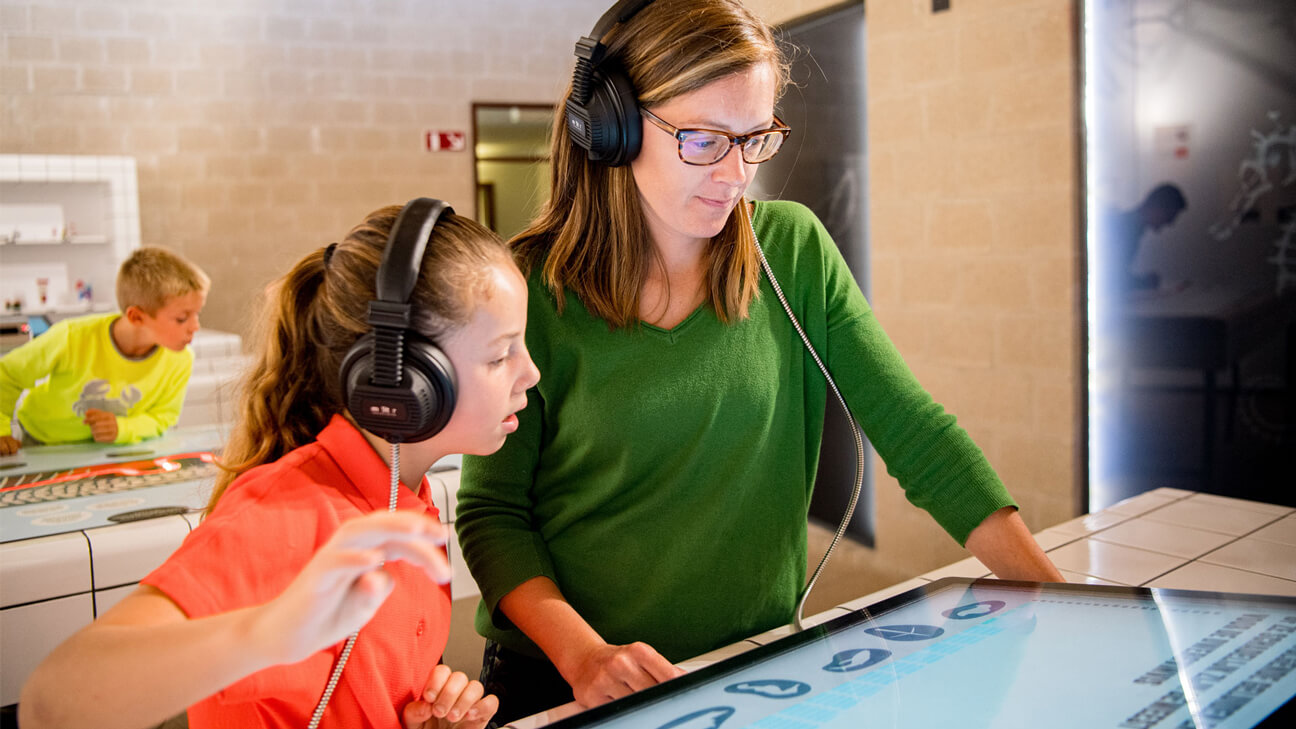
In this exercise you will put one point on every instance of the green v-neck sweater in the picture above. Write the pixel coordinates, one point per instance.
(662, 478)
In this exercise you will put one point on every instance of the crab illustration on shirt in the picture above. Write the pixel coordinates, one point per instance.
(94, 396)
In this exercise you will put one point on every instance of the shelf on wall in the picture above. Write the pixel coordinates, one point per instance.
(90, 202)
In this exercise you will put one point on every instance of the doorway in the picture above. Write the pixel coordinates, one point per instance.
(511, 163)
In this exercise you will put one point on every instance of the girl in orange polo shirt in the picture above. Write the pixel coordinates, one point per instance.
(245, 624)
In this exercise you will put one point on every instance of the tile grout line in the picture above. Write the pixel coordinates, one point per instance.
(1232, 538)
(1140, 517)
(1235, 539)
(1239, 538)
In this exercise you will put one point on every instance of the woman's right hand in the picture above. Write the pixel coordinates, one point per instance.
(343, 585)
(9, 445)
(598, 672)
(613, 671)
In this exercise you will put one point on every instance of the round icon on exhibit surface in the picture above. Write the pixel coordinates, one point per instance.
(704, 719)
(906, 633)
(975, 610)
(770, 688)
(856, 659)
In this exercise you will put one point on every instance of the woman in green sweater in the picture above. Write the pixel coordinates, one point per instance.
(652, 505)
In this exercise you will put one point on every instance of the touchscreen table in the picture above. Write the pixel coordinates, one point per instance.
(989, 653)
(55, 489)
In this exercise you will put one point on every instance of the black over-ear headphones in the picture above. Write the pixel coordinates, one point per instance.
(603, 109)
(396, 383)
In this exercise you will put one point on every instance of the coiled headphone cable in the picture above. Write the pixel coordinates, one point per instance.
(351, 639)
(855, 431)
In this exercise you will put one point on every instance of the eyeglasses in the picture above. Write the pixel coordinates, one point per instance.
(709, 146)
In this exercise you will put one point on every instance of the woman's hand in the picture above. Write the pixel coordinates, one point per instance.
(343, 585)
(9, 445)
(1004, 544)
(450, 699)
(613, 671)
(598, 672)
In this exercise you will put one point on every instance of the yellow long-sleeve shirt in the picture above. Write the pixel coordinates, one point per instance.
(76, 366)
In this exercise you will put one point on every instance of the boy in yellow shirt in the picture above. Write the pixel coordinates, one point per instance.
(113, 378)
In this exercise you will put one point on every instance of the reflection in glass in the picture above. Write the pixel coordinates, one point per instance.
(986, 653)
(1190, 135)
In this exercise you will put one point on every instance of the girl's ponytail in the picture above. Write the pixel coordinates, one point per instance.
(285, 400)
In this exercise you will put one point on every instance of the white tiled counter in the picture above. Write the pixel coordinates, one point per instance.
(1164, 538)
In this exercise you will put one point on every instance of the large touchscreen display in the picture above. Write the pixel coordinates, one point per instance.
(983, 653)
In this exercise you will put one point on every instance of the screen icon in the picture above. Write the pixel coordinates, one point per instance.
(906, 632)
(770, 688)
(974, 610)
(856, 659)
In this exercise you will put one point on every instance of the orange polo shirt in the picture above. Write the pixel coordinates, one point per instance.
(265, 528)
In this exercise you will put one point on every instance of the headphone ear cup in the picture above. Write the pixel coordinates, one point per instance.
(430, 369)
(616, 128)
(415, 411)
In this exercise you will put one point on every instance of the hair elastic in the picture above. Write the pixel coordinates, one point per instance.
(328, 253)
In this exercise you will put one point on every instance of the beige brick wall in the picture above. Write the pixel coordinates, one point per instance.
(262, 128)
(976, 250)
(780, 11)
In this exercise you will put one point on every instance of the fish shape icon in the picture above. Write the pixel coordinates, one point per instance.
(704, 719)
(856, 659)
(770, 688)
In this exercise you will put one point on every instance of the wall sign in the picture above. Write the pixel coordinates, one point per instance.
(435, 140)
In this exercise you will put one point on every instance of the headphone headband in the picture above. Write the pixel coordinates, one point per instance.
(602, 110)
(396, 383)
(619, 13)
(403, 255)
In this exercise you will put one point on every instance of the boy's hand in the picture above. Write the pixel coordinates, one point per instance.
(9, 445)
(450, 699)
(103, 425)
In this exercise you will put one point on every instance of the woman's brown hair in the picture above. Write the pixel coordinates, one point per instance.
(318, 310)
(591, 236)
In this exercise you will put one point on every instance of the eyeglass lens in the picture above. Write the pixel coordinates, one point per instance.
(706, 148)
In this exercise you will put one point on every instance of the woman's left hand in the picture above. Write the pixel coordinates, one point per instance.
(450, 699)
(1004, 544)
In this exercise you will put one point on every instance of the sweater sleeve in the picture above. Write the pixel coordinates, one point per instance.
(165, 412)
(934, 459)
(493, 517)
(21, 368)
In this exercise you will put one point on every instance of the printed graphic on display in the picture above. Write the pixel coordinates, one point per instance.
(770, 688)
(906, 632)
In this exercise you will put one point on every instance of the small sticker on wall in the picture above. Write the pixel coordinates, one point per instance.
(435, 140)
(1172, 141)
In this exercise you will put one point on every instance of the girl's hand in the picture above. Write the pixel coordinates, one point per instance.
(614, 671)
(341, 588)
(450, 699)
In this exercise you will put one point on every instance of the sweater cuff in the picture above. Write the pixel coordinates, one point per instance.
(124, 434)
(966, 507)
(527, 558)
